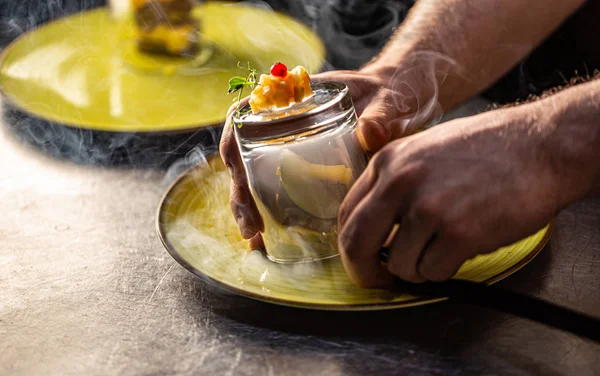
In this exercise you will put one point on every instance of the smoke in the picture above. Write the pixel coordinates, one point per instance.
(416, 88)
(109, 149)
(17, 17)
(354, 31)
(197, 157)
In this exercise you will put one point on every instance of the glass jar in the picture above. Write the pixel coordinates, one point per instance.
(300, 163)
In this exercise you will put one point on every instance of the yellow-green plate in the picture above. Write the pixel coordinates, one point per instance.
(198, 230)
(78, 70)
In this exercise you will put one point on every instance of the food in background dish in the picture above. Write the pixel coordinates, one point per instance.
(166, 27)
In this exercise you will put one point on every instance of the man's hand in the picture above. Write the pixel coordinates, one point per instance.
(241, 202)
(457, 190)
(382, 111)
(379, 120)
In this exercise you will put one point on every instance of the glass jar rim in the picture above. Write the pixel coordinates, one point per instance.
(271, 117)
(317, 115)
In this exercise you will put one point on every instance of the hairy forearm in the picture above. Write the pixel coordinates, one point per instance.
(573, 139)
(486, 38)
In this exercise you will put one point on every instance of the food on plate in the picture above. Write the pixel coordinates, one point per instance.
(166, 27)
(280, 88)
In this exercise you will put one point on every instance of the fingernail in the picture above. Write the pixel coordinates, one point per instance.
(247, 233)
(361, 139)
(256, 242)
(374, 135)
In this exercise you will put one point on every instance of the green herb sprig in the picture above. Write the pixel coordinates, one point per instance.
(238, 83)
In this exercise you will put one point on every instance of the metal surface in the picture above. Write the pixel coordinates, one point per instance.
(87, 288)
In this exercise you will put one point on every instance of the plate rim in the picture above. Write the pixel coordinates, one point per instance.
(418, 301)
(190, 128)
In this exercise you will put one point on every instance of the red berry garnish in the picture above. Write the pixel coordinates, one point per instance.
(279, 70)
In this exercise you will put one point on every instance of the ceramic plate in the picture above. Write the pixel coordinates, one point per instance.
(82, 70)
(198, 230)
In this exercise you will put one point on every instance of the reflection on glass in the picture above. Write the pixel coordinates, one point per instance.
(301, 162)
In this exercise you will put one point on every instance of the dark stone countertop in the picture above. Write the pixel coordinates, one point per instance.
(87, 288)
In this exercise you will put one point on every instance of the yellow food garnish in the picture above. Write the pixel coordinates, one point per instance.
(274, 92)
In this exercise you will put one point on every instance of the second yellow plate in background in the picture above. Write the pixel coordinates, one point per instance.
(75, 70)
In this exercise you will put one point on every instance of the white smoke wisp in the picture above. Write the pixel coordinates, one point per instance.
(196, 157)
(356, 31)
(416, 86)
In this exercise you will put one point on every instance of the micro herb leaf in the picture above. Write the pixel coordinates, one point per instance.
(237, 83)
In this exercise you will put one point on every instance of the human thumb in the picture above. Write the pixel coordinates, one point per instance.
(377, 123)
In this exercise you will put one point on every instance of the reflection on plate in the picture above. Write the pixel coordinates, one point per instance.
(196, 227)
(141, 63)
(74, 71)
